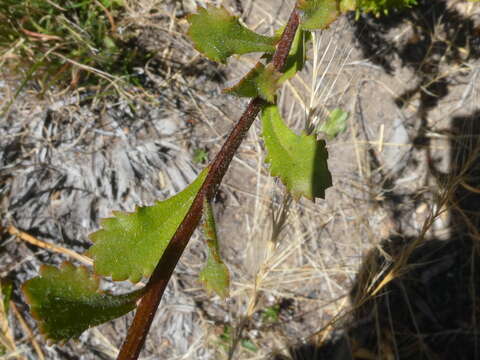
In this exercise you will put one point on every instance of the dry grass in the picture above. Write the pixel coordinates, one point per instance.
(327, 266)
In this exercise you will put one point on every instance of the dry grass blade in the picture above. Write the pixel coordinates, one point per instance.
(45, 245)
(26, 328)
(363, 271)
(7, 340)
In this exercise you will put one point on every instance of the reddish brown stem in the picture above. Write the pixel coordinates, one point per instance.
(163, 271)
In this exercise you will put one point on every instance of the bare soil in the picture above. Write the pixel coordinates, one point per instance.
(383, 268)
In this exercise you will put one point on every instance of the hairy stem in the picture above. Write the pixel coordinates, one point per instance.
(163, 271)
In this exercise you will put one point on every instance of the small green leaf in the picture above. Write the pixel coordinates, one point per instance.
(249, 345)
(6, 290)
(226, 335)
(130, 245)
(200, 156)
(335, 124)
(218, 35)
(296, 57)
(347, 5)
(6, 294)
(262, 81)
(110, 3)
(215, 275)
(300, 161)
(318, 14)
(225, 338)
(271, 313)
(68, 301)
(109, 43)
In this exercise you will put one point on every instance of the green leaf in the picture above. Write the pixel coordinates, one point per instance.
(225, 338)
(215, 275)
(200, 156)
(318, 14)
(262, 81)
(297, 55)
(335, 124)
(68, 301)
(271, 313)
(6, 288)
(300, 161)
(218, 35)
(109, 43)
(130, 245)
(347, 5)
(249, 345)
(226, 335)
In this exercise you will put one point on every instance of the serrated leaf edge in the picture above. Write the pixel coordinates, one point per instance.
(66, 264)
(302, 3)
(118, 214)
(277, 173)
(205, 9)
(276, 76)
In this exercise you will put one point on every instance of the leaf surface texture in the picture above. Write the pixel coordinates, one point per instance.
(318, 14)
(129, 245)
(300, 161)
(262, 81)
(217, 34)
(335, 124)
(215, 275)
(67, 301)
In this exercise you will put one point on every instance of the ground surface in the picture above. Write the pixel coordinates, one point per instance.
(383, 268)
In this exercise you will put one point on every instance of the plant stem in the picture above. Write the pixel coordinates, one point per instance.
(163, 271)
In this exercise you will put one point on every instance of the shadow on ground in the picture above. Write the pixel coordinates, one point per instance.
(437, 35)
(429, 309)
(413, 297)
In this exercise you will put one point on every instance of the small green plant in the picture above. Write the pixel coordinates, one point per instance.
(226, 340)
(200, 156)
(335, 124)
(271, 313)
(68, 42)
(149, 241)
